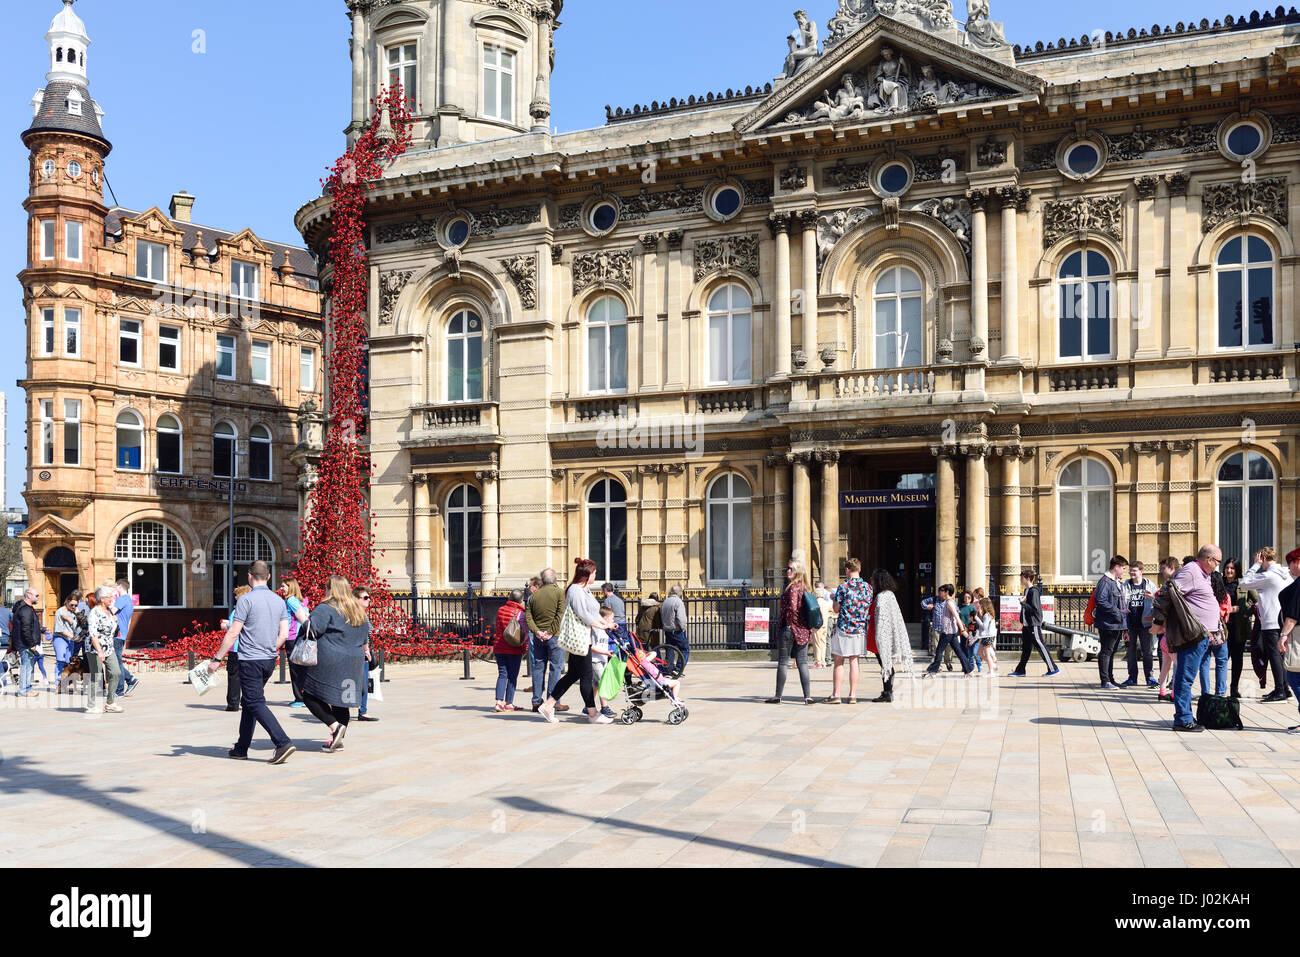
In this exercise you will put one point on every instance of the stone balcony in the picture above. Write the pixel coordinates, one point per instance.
(454, 423)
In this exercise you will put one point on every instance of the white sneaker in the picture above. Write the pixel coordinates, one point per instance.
(548, 713)
(95, 710)
(114, 708)
(599, 718)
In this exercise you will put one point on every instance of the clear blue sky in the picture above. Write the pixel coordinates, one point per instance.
(249, 125)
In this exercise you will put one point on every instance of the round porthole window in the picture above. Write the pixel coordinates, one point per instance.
(1082, 159)
(458, 232)
(48, 169)
(74, 169)
(894, 179)
(604, 216)
(1243, 140)
(726, 201)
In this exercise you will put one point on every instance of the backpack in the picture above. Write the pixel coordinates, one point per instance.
(514, 631)
(811, 615)
(1219, 714)
(1090, 613)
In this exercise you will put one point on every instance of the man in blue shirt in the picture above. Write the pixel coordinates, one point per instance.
(124, 608)
(260, 623)
(6, 621)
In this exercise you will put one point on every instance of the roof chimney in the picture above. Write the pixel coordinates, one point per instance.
(182, 207)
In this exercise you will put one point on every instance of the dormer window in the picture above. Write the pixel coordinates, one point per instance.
(74, 104)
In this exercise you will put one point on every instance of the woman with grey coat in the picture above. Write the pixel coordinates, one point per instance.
(342, 632)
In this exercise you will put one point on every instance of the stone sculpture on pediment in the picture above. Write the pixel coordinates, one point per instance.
(890, 80)
(981, 32)
(832, 227)
(804, 45)
(954, 213)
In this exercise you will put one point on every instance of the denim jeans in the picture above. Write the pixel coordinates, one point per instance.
(678, 640)
(1220, 655)
(508, 677)
(27, 663)
(955, 642)
(542, 653)
(126, 678)
(1185, 672)
(253, 676)
(364, 687)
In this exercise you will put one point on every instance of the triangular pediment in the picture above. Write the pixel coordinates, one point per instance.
(245, 241)
(153, 220)
(53, 528)
(884, 71)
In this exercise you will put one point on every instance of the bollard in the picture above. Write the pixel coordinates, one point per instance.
(283, 657)
(383, 665)
(190, 657)
(467, 676)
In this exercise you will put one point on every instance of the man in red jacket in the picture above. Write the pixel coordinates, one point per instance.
(509, 655)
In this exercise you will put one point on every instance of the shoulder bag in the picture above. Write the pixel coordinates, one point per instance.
(305, 652)
(574, 636)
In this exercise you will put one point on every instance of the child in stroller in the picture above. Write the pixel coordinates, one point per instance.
(645, 679)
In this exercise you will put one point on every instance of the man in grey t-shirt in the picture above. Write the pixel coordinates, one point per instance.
(673, 615)
(260, 622)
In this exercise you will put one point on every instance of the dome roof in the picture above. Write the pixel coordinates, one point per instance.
(66, 21)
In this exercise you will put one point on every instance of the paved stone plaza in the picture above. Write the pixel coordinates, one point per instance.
(1042, 772)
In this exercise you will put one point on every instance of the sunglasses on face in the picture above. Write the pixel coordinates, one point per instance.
(365, 598)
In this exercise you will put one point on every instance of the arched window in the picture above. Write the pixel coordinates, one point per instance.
(731, 545)
(900, 331)
(1244, 269)
(169, 445)
(607, 529)
(259, 453)
(729, 336)
(607, 345)
(1084, 526)
(223, 450)
(465, 357)
(464, 536)
(1247, 510)
(250, 545)
(130, 441)
(149, 556)
(1086, 296)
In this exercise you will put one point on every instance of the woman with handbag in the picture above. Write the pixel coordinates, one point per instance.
(792, 633)
(341, 633)
(510, 643)
(299, 614)
(581, 620)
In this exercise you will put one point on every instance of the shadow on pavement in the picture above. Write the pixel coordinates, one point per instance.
(18, 776)
(686, 837)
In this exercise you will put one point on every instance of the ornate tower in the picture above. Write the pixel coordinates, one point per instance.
(473, 70)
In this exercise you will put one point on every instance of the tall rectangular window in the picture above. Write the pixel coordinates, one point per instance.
(71, 432)
(47, 431)
(47, 238)
(225, 357)
(72, 333)
(169, 348)
(47, 332)
(498, 84)
(402, 64)
(128, 342)
(261, 362)
(73, 249)
(307, 370)
(151, 261)
(243, 280)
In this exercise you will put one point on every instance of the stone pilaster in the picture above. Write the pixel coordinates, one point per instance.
(420, 537)
(489, 478)
(801, 506)
(830, 517)
(945, 493)
(780, 225)
(977, 516)
(1013, 201)
(979, 275)
(808, 294)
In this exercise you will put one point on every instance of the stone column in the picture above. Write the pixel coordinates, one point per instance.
(779, 552)
(801, 506)
(780, 226)
(945, 493)
(808, 299)
(979, 275)
(1145, 306)
(1013, 200)
(491, 527)
(358, 72)
(830, 523)
(1180, 306)
(977, 517)
(1011, 563)
(420, 534)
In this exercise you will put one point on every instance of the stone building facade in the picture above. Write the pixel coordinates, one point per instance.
(942, 303)
(157, 348)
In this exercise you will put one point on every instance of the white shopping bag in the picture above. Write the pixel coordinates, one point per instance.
(373, 690)
(202, 679)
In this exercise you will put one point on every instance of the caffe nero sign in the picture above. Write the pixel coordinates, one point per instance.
(888, 498)
(196, 486)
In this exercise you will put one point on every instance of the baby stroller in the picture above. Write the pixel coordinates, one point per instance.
(642, 684)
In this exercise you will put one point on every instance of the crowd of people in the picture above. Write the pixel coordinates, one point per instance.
(89, 634)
